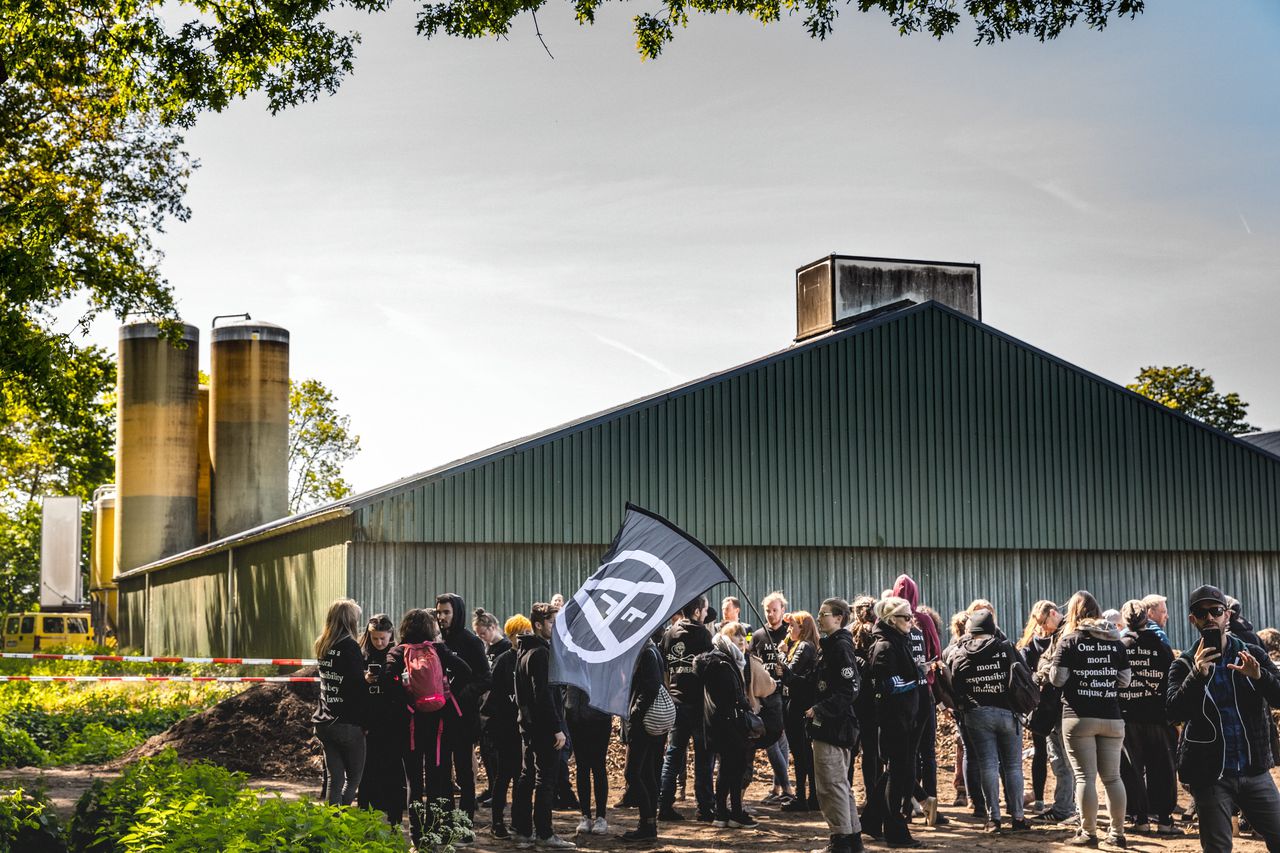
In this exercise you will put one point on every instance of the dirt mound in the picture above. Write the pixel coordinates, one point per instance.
(264, 731)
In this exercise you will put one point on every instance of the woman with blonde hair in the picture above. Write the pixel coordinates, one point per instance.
(1090, 665)
(726, 701)
(340, 713)
(799, 685)
(1041, 625)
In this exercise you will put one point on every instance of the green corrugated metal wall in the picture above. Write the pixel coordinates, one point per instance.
(507, 579)
(271, 606)
(927, 430)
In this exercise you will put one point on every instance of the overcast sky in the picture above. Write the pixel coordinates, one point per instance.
(472, 241)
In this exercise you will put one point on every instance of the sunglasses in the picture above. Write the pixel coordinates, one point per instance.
(1203, 612)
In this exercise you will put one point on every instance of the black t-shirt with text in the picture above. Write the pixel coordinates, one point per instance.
(1092, 690)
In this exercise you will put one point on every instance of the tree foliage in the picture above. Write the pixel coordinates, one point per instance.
(320, 440)
(1191, 391)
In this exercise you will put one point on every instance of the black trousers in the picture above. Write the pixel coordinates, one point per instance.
(535, 796)
(733, 755)
(505, 753)
(426, 767)
(927, 751)
(887, 802)
(382, 787)
(590, 748)
(460, 740)
(644, 766)
(801, 756)
(1147, 770)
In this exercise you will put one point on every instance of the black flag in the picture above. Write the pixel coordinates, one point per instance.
(652, 570)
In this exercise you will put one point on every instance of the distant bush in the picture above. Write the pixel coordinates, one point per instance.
(28, 824)
(96, 743)
(18, 749)
(164, 804)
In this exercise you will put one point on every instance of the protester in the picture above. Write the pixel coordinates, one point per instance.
(726, 709)
(340, 713)
(1270, 638)
(1091, 667)
(981, 665)
(1150, 783)
(765, 644)
(589, 730)
(833, 727)
(487, 628)
(542, 730)
(1240, 626)
(966, 769)
(864, 705)
(1222, 689)
(462, 727)
(681, 644)
(500, 728)
(730, 612)
(1157, 615)
(1037, 636)
(642, 747)
(797, 668)
(898, 681)
(425, 752)
(382, 784)
(927, 650)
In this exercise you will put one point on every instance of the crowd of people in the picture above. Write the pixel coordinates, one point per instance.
(407, 712)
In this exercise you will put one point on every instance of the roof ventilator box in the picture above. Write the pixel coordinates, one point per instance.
(840, 290)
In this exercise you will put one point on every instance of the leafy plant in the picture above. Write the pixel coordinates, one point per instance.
(96, 743)
(18, 749)
(28, 823)
(442, 827)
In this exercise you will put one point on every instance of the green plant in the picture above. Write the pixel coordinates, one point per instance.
(28, 823)
(96, 743)
(18, 749)
(442, 827)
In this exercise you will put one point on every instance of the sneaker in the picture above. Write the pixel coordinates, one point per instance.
(770, 799)
(555, 842)
(796, 806)
(1037, 806)
(917, 810)
(993, 827)
(1019, 825)
(522, 842)
(941, 820)
(742, 821)
(720, 822)
(705, 817)
(1082, 839)
(930, 811)
(749, 809)
(600, 826)
(499, 830)
(670, 815)
(961, 800)
(1168, 829)
(584, 827)
(1115, 840)
(643, 832)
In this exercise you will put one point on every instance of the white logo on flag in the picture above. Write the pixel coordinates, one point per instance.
(614, 604)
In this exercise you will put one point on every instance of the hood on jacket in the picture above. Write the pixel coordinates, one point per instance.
(530, 641)
(726, 645)
(1099, 629)
(981, 623)
(905, 587)
(459, 615)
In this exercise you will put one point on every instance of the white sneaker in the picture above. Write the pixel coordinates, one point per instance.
(930, 811)
(584, 827)
(555, 842)
(917, 810)
(600, 827)
(522, 842)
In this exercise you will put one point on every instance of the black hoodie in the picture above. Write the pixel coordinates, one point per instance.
(896, 677)
(980, 663)
(471, 649)
(838, 685)
(538, 703)
(1150, 658)
(681, 645)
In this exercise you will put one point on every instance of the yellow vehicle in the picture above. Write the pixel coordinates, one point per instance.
(31, 632)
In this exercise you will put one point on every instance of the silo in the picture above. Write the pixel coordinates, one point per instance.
(249, 425)
(204, 467)
(102, 561)
(155, 444)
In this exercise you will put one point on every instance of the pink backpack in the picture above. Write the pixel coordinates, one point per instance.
(424, 677)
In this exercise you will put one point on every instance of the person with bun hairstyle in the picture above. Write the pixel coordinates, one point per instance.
(1042, 624)
(340, 714)
(1091, 667)
(897, 681)
(425, 756)
(489, 630)
(382, 785)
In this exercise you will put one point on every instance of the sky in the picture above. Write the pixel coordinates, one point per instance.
(472, 241)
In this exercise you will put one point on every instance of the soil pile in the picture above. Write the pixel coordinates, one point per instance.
(265, 731)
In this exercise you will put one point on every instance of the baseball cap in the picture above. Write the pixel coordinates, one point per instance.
(1206, 593)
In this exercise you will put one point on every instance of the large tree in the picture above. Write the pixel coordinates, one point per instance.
(320, 441)
(1192, 391)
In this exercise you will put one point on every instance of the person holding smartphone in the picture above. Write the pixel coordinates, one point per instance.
(1222, 689)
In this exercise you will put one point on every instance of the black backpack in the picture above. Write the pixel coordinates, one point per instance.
(1024, 693)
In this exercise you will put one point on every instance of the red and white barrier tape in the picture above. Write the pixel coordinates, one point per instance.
(153, 659)
(219, 679)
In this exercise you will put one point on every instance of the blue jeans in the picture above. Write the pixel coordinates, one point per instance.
(1258, 801)
(996, 737)
(688, 725)
(1064, 781)
(779, 757)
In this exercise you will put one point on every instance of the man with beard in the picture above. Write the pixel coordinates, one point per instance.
(462, 728)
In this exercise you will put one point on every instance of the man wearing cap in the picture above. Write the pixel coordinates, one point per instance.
(1221, 688)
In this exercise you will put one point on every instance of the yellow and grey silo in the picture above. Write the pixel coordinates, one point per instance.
(249, 425)
(155, 444)
(204, 467)
(102, 560)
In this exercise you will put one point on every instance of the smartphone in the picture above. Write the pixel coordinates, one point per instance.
(375, 669)
(1211, 637)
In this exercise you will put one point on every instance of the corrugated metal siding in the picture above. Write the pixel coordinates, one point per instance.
(927, 430)
(188, 609)
(392, 578)
(283, 587)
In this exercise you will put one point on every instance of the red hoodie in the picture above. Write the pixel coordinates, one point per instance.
(905, 587)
